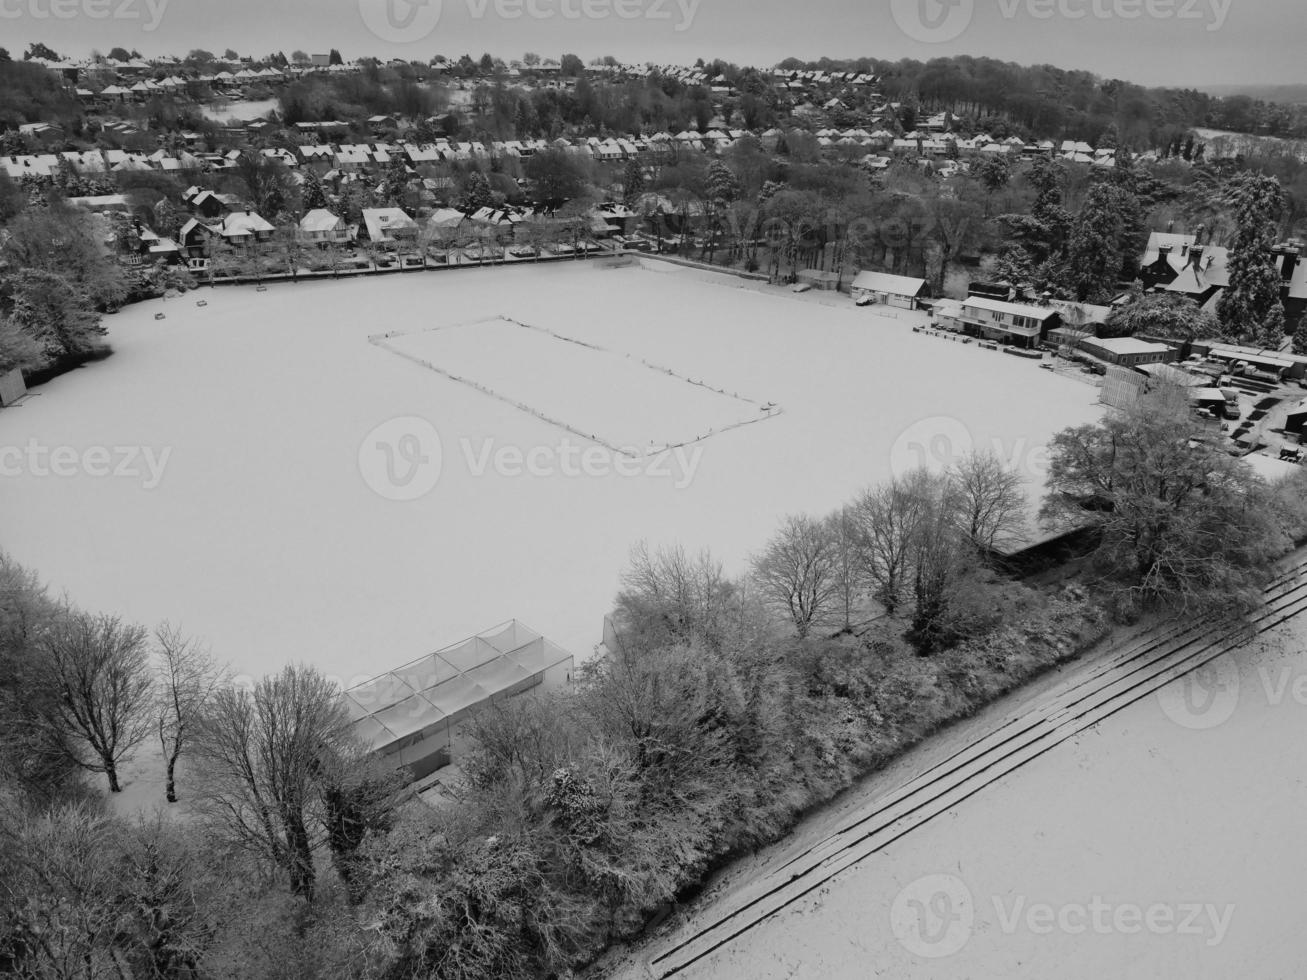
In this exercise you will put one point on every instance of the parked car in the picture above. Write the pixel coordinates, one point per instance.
(522, 251)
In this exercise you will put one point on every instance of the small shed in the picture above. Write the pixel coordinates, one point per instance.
(819, 278)
(902, 292)
(12, 387)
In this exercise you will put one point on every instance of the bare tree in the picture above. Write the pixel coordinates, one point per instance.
(97, 672)
(670, 595)
(59, 895)
(799, 570)
(850, 578)
(188, 679)
(886, 519)
(990, 502)
(259, 754)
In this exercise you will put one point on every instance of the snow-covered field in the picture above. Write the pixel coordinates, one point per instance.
(657, 406)
(238, 111)
(1164, 842)
(291, 492)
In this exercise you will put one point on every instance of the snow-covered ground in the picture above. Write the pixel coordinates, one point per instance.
(1164, 842)
(291, 492)
(238, 111)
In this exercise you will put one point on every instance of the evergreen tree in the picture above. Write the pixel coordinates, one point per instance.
(477, 193)
(1250, 309)
(1096, 250)
(1300, 338)
(632, 181)
(312, 193)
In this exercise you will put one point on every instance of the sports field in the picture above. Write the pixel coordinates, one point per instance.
(289, 491)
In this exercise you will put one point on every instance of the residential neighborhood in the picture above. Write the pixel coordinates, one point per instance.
(892, 419)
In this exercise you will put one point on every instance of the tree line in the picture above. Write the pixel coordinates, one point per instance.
(725, 708)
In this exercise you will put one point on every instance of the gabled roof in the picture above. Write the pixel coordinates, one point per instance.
(883, 282)
(382, 223)
(1011, 309)
(243, 223)
(321, 220)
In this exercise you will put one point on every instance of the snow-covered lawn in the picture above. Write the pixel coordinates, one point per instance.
(1164, 842)
(322, 499)
(621, 401)
(239, 111)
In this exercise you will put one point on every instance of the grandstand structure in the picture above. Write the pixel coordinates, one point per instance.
(414, 716)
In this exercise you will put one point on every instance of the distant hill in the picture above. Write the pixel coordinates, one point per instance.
(1287, 94)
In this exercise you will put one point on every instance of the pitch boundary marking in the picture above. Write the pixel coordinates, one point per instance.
(769, 409)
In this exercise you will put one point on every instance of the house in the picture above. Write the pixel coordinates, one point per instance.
(902, 292)
(384, 225)
(1293, 276)
(1018, 324)
(353, 157)
(208, 204)
(244, 228)
(321, 227)
(1127, 351)
(195, 237)
(1179, 264)
(617, 217)
(446, 226)
(41, 131)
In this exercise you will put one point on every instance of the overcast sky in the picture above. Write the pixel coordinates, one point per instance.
(1157, 42)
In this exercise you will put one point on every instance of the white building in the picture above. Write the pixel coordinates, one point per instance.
(416, 716)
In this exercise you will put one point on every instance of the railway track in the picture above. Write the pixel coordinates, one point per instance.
(1143, 665)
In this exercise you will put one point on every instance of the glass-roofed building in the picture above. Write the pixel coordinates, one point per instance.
(414, 715)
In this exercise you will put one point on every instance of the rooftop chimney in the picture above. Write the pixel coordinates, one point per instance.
(1196, 256)
(1292, 252)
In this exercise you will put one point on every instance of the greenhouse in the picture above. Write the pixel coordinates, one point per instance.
(413, 716)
